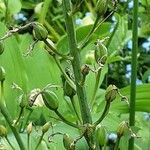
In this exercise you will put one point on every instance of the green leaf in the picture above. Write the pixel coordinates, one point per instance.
(14, 7)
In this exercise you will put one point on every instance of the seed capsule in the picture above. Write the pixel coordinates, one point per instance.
(123, 127)
(3, 131)
(39, 31)
(1, 47)
(100, 52)
(50, 99)
(68, 142)
(46, 127)
(101, 7)
(2, 74)
(29, 128)
(68, 90)
(111, 93)
(101, 135)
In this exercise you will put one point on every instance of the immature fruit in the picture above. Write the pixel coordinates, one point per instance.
(3, 131)
(50, 99)
(101, 7)
(100, 52)
(111, 93)
(123, 127)
(1, 47)
(39, 31)
(101, 135)
(68, 142)
(2, 74)
(29, 128)
(46, 127)
(68, 90)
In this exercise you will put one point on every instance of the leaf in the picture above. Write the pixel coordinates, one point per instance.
(14, 7)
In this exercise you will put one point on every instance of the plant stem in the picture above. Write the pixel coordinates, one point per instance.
(134, 71)
(75, 109)
(70, 82)
(7, 117)
(64, 120)
(9, 143)
(40, 140)
(28, 141)
(76, 64)
(95, 88)
(105, 112)
(117, 143)
(44, 11)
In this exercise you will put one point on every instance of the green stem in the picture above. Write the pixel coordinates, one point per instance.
(75, 109)
(95, 87)
(117, 143)
(70, 82)
(64, 120)
(52, 31)
(51, 45)
(134, 71)
(20, 114)
(9, 143)
(44, 11)
(28, 141)
(76, 65)
(105, 112)
(7, 117)
(39, 142)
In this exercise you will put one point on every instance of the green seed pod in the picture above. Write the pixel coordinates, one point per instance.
(101, 7)
(101, 135)
(68, 142)
(39, 31)
(100, 52)
(68, 90)
(2, 74)
(50, 99)
(29, 128)
(111, 93)
(45, 127)
(123, 127)
(85, 70)
(1, 47)
(3, 131)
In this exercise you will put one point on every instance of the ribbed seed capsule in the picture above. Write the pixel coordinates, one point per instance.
(68, 90)
(101, 135)
(123, 127)
(68, 142)
(50, 99)
(45, 127)
(3, 131)
(1, 47)
(111, 93)
(39, 31)
(2, 74)
(100, 52)
(101, 7)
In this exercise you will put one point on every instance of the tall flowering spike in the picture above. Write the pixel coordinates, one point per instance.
(39, 31)
(50, 99)
(2, 74)
(100, 52)
(111, 93)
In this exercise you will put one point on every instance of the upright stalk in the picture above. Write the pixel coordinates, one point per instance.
(76, 64)
(134, 71)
